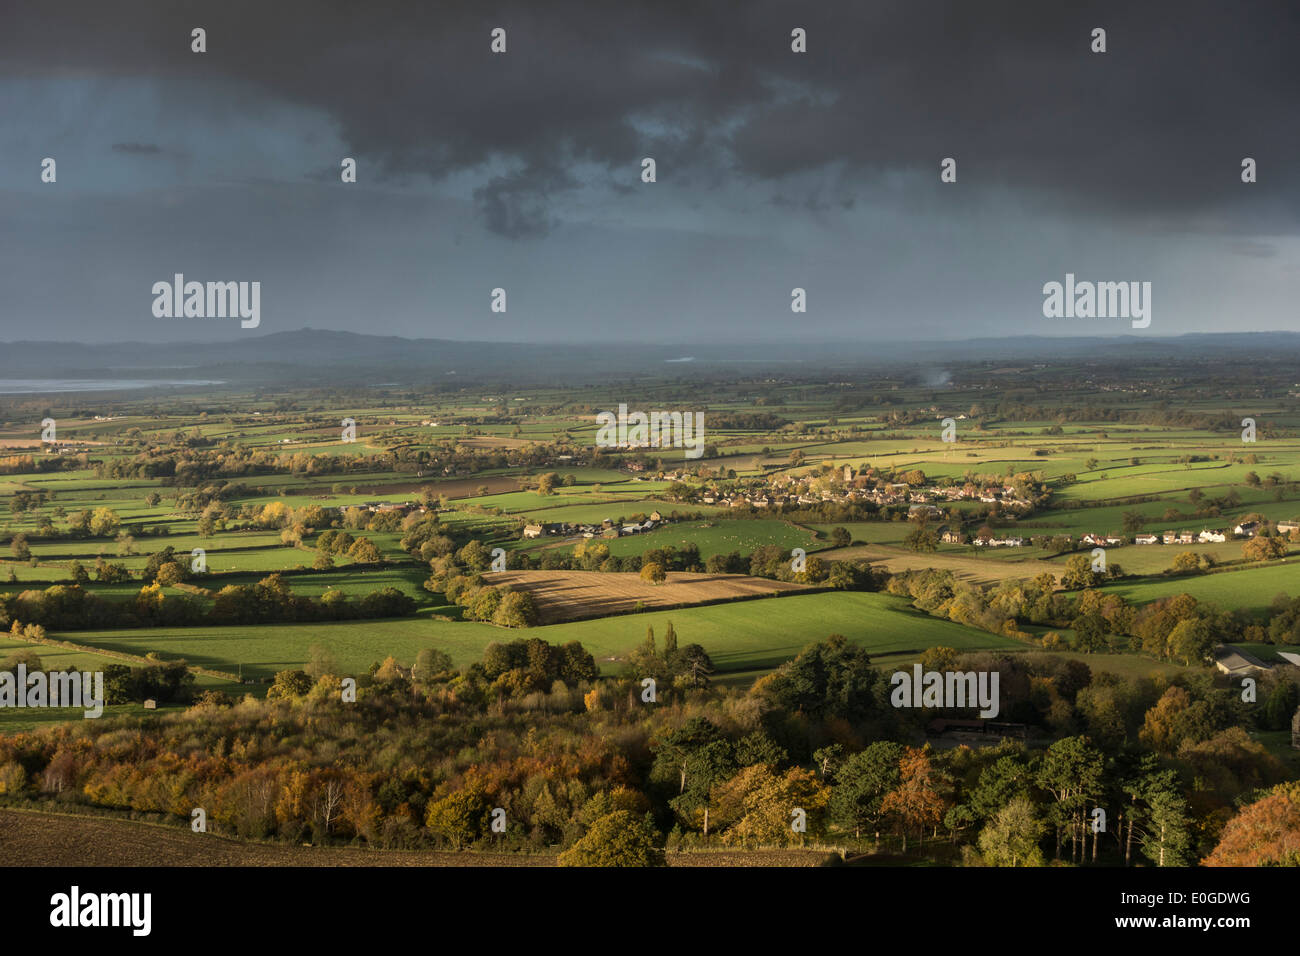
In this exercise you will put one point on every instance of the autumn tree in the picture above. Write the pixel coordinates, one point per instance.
(363, 551)
(761, 807)
(104, 522)
(1263, 833)
(918, 800)
(620, 838)
(460, 817)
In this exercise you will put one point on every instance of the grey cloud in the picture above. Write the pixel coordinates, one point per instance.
(1156, 126)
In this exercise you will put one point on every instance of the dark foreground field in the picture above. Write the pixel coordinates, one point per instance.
(47, 839)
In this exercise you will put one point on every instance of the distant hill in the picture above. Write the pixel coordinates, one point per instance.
(303, 356)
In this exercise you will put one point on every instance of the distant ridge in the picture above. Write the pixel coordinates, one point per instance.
(353, 357)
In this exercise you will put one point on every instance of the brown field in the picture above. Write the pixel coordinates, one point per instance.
(47, 839)
(975, 570)
(575, 595)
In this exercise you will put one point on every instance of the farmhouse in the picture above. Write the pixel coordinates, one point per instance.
(1246, 529)
(1148, 539)
(532, 531)
(966, 729)
(1286, 527)
(952, 537)
(1212, 537)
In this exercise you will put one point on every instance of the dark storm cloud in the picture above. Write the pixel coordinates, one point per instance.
(515, 206)
(1156, 127)
(775, 170)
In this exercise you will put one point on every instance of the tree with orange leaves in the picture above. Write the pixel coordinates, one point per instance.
(919, 800)
(1264, 833)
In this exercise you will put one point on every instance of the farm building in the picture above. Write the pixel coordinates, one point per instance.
(1237, 663)
(967, 729)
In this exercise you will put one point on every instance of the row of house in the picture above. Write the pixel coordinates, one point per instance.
(1247, 529)
(606, 529)
(381, 507)
(1101, 540)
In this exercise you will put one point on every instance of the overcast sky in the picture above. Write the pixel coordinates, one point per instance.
(523, 170)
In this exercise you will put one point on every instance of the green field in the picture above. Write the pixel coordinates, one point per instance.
(740, 636)
(1252, 588)
(506, 438)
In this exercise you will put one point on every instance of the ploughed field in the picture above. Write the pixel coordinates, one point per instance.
(575, 595)
(47, 839)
